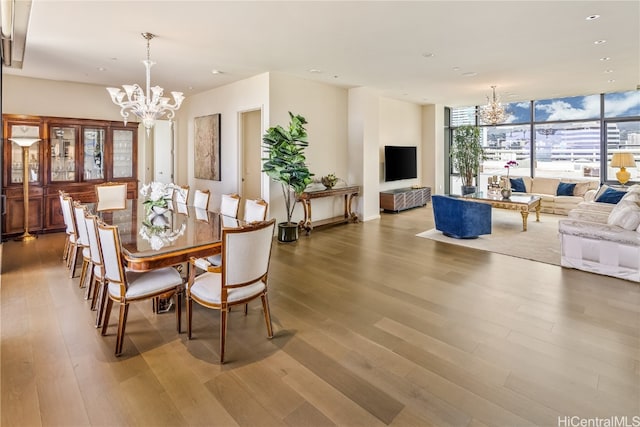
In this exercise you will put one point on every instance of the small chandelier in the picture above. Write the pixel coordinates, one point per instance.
(149, 105)
(493, 113)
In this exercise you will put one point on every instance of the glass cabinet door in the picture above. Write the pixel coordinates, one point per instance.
(63, 153)
(21, 132)
(93, 140)
(122, 153)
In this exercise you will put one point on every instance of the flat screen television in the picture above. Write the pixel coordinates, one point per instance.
(400, 163)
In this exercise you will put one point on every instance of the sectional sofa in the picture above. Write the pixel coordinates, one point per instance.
(558, 195)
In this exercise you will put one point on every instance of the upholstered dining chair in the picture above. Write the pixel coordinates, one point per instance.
(72, 233)
(111, 196)
(182, 195)
(201, 199)
(229, 205)
(125, 287)
(79, 210)
(67, 224)
(255, 210)
(96, 290)
(246, 252)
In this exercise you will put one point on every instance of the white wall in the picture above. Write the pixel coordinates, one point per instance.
(229, 101)
(325, 108)
(400, 124)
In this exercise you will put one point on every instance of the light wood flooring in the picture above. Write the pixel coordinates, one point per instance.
(373, 326)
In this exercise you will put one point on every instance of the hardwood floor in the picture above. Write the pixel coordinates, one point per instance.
(373, 326)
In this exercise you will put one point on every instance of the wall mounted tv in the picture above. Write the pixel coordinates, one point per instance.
(400, 163)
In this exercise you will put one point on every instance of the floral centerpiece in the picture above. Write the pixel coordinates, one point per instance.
(510, 164)
(506, 191)
(157, 196)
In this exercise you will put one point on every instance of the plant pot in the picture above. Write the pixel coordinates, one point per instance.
(287, 232)
(468, 189)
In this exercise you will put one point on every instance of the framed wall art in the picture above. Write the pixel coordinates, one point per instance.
(207, 147)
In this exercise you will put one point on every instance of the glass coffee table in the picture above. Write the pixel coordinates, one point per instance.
(524, 203)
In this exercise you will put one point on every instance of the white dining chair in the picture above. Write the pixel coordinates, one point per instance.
(126, 286)
(255, 210)
(67, 224)
(246, 252)
(72, 233)
(79, 211)
(111, 196)
(182, 195)
(229, 205)
(96, 289)
(201, 199)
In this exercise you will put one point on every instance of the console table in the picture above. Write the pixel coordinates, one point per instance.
(404, 198)
(347, 192)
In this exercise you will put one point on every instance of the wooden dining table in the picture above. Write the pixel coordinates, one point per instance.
(168, 238)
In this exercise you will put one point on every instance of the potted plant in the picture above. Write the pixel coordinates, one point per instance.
(286, 164)
(466, 155)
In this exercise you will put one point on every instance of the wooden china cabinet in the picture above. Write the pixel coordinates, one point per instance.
(72, 155)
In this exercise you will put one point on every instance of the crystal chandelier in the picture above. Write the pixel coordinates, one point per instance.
(149, 105)
(493, 113)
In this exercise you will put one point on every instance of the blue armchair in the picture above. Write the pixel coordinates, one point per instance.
(461, 218)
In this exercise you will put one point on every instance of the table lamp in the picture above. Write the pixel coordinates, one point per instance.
(622, 161)
(25, 143)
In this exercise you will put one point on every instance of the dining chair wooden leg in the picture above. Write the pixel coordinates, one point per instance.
(267, 315)
(90, 280)
(101, 307)
(72, 261)
(83, 272)
(189, 305)
(122, 324)
(223, 332)
(107, 314)
(65, 252)
(178, 297)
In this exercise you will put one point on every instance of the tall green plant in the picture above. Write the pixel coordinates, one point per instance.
(286, 161)
(467, 153)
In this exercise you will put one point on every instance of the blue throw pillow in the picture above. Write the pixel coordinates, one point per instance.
(565, 189)
(611, 196)
(517, 185)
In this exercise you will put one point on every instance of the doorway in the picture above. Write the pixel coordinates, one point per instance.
(251, 143)
(163, 151)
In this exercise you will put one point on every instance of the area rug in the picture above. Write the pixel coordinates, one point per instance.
(539, 243)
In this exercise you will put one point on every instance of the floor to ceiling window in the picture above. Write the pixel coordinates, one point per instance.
(572, 137)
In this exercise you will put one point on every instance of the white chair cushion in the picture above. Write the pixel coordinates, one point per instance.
(207, 288)
(86, 253)
(202, 263)
(148, 283)
(215, 260)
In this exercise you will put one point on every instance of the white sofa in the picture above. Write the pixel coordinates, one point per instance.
(547, 189)
(603, 238)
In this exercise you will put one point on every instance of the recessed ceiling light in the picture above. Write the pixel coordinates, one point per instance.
(599, 41)
(456, 68)
(216, 72)
(315, 70)
(608, 71)
(606, 58)
(102, 69)
(592, 17)
(611, 81)
(428, 55)
(470, 74)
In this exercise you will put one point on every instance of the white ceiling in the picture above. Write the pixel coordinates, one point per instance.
(529, 49)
